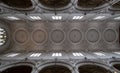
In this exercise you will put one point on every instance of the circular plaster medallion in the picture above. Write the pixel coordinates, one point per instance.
(110, 35)
(75, 36)
(92, 35)
(21, 36)
(39, 36)
(57, 36)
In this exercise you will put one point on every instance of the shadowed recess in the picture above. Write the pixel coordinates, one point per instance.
(117, 5)
(92, 69)
(18, 69)
(91, 3)
(54, 3)
(117, 66)
(55, 69)
(18, 3)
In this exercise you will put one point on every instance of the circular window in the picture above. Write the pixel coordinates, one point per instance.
(93, 69)
(54, 3)
(3, 36)
(55, 69)
(18, 69)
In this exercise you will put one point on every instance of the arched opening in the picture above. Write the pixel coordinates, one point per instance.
(91, 3)
(93, 69)
(117, 5)
(18, 69)
(18, 3)
(54, 3)
(55, 69)
(117, 66)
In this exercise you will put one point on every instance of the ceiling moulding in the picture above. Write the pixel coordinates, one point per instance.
(55, 4)
(18, 4)
(91, 4)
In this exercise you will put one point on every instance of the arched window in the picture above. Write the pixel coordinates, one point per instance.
(3, 36)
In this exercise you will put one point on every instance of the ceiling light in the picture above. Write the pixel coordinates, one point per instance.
(35, 55)
(13, 55)
(99, 17)
(1, 36)
(99, 54)
(57, 54)
(12, 18)
(56, 17)
(35, 17)
(77, 17)
(117, 18)
(117, 53)
(78, 54)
